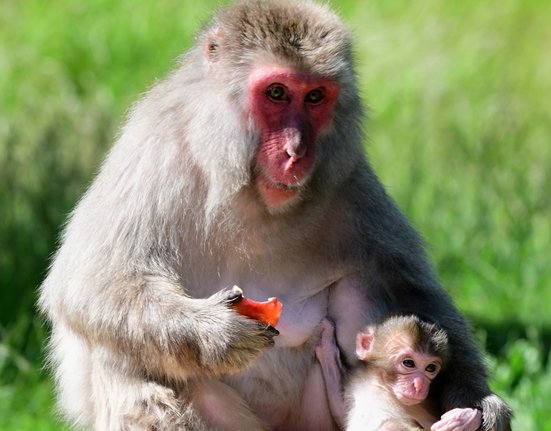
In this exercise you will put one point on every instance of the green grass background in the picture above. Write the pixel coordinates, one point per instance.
(459, 131)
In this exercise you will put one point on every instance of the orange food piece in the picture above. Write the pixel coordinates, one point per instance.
(266, 312)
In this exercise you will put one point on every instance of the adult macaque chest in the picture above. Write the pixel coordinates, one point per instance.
(305, 303)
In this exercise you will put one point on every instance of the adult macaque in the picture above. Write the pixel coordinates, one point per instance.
(389, 388)
(244, 166)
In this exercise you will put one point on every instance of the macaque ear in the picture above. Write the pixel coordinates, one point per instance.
(364, 342)
(212, 44)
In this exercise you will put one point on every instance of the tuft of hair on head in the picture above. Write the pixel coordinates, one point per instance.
(303, 34)
(426, 337)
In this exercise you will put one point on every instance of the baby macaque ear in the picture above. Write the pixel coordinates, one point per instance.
(364, 341)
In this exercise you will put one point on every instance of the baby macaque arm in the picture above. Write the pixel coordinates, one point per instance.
(459, 420)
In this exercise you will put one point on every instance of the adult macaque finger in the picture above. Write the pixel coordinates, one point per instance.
(270, 332)
(235, 294)
(273, 330)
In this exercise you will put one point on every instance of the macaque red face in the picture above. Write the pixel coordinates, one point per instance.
(413, 373)
(291, 110)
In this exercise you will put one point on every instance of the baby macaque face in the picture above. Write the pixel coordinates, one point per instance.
(413, 373)
(407, 354)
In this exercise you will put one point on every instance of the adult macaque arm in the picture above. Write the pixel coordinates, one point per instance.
(151, 314)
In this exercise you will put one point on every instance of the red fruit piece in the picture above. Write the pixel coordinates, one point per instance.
(266, 312)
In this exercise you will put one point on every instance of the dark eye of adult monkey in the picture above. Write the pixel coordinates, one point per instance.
(244, 166)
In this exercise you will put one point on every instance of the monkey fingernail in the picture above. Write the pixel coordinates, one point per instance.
(234, 295)
(271, 330)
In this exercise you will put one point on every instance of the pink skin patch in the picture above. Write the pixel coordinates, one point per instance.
(459, 419)
(291, 109)
(412, 389)
(415, 372)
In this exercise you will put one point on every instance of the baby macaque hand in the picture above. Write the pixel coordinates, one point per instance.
(459, 420)
(327, 347)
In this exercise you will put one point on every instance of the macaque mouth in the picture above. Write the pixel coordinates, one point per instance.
(275, 193)
(282, 186)
(291, 183)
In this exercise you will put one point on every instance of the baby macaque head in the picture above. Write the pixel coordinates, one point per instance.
(406, 352)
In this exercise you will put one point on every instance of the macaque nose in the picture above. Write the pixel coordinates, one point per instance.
(295, 146)
(418, 384)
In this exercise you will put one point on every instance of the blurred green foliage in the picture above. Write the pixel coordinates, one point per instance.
(459, 130)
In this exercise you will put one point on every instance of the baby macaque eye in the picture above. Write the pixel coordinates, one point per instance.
(431, 368)
(408, 363)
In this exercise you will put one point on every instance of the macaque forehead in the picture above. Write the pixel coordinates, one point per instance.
(274, 72)
(404, 331)
(306, 36)
(402, 344)
(395, 343)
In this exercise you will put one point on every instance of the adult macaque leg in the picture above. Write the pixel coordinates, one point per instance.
(222, 408)
(199, 405)
(125, 402)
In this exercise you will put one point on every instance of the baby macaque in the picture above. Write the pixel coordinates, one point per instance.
(390, 387)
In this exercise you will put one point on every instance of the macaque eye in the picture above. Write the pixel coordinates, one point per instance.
(276, 92)
(315, 96)
(408, 363)
(431, 368)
